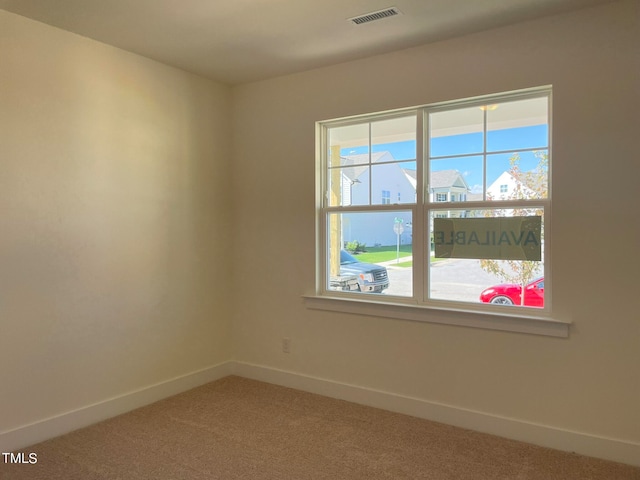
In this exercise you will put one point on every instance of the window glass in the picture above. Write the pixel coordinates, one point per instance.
(365, 159)
(396, 135)
(460, 175)
(486, 234)
(456, 132)
(379, 248)
(381, 181)
(348, 145)
(516, 125)
(395, 180)
(521, 175)
(348, 186)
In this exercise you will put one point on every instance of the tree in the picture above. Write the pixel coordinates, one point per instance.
(528, 185)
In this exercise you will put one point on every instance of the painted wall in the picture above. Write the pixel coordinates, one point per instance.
(114, 189)
(587, 383)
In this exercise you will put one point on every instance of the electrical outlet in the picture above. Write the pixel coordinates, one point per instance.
(286, 345)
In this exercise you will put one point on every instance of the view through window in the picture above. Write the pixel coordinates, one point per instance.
(441, 205)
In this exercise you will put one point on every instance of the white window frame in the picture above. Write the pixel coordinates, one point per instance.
(419, 307)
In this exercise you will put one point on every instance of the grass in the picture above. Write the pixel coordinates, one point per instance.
(404, 264)
(389, 253)
(383, 254)
(408, 263)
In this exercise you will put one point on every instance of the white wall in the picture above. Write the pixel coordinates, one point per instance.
(587, 383)
(114, 214)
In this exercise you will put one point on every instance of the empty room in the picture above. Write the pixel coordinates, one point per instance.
(319, 239)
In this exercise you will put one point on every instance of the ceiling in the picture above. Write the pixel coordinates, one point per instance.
(239, 41)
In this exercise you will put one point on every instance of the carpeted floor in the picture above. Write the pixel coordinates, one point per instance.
(237, 428)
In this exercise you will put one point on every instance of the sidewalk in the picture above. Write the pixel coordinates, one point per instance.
(391, 263)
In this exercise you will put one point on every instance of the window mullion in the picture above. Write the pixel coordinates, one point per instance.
(370, 173)
(419, 230)
(484, 155)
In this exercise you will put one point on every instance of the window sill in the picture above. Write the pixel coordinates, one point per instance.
(448, 316)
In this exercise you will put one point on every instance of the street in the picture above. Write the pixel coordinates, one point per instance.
(451, 279)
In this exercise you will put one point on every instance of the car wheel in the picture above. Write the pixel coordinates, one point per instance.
(501, 300)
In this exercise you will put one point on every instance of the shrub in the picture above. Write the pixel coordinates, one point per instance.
(355, 247)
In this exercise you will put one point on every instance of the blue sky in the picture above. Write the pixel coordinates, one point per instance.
(471, 167)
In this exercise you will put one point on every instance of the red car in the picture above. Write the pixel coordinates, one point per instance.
(509, 294)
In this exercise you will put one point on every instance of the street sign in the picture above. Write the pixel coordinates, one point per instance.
(398, 227)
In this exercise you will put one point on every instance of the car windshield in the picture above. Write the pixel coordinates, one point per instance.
(346, 258)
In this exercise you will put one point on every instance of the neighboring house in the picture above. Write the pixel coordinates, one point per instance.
(506, 186)
(390, 184)
(393, 184)
(448, 186)
(382, 182)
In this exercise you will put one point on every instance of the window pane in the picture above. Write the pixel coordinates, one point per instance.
(348, 186)
(393, 183)
(396, 136)
(349, 141)
(481, 279)
(518, 125)
(456, 132)
(517, 176)
(374, 252)
(456, 179)
(361, 175)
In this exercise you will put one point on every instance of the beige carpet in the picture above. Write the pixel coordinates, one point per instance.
(242, 429)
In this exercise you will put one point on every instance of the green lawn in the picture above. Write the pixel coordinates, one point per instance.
(388, 253)
(404, 264)
(383, 254)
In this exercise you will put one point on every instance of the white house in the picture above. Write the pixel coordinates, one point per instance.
(390, 184)
(448, 186)
(383, 182)
(506, 186)
(388, 180)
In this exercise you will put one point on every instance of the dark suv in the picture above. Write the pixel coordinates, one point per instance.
(357, 275)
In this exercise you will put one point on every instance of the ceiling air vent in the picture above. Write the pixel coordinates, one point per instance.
(380, 14)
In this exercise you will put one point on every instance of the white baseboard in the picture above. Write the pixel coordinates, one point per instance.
(45, 429)
(543, 435)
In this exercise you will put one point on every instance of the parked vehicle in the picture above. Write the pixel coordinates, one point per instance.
(361, 276)
(510, 294)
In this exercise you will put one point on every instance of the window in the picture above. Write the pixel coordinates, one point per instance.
(477, 173)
